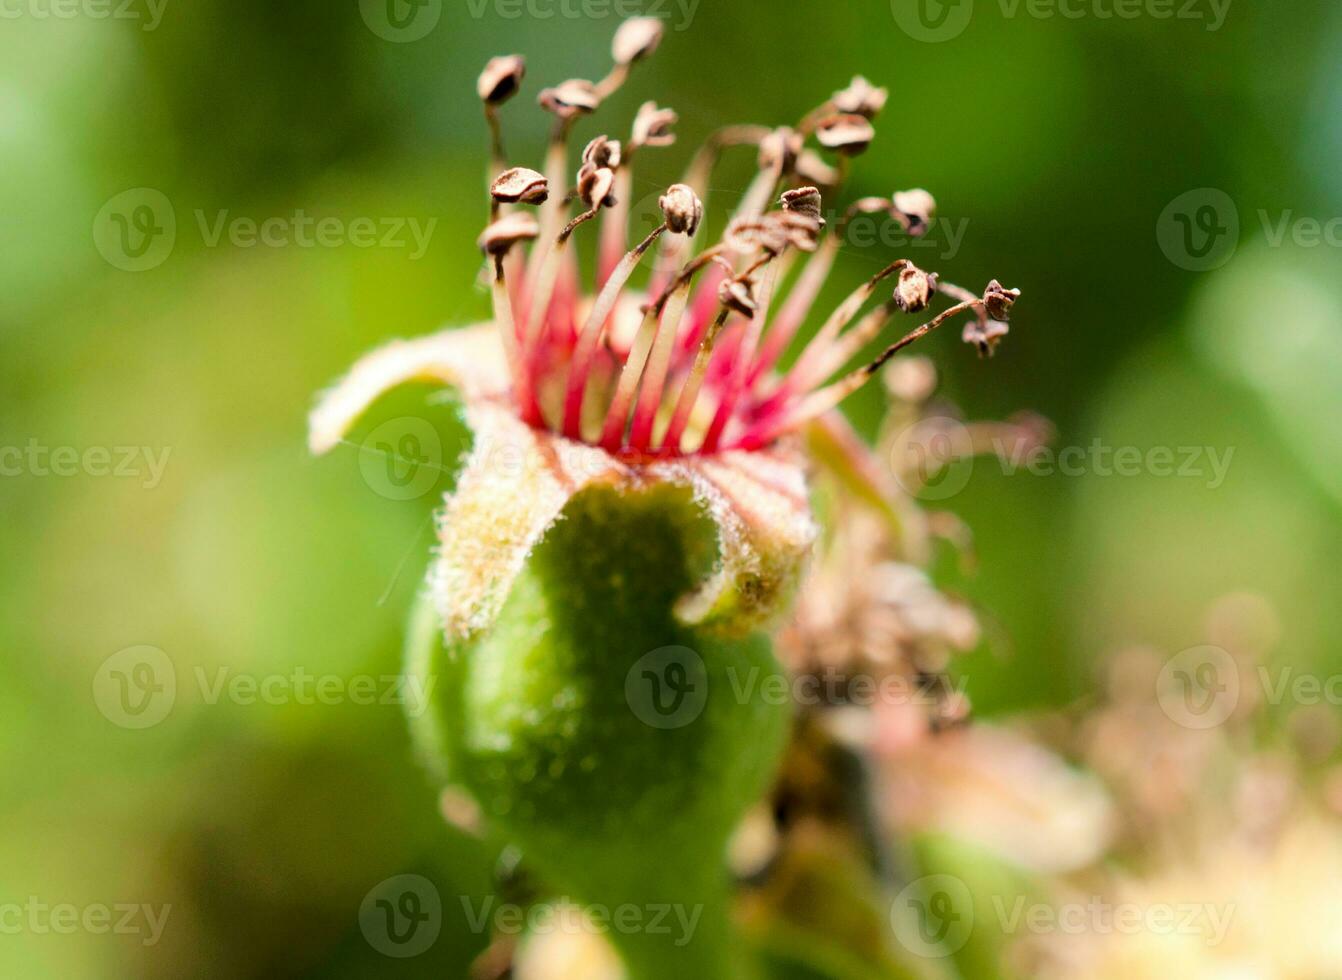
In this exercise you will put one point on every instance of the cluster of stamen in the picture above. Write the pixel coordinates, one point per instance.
(689, 364)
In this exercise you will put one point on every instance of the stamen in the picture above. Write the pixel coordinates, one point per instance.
(689, 393)
(499, 82)
(659, 364)
(745, 355)
(495, 241)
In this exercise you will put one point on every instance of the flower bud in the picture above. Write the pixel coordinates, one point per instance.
(520, 185)
(652, 126)
(915, 289)
(682, 209)
(503, 234)
(916, 208)
(501, 79)
(636, 39)
(847, 134)
(861, 98)
(998, 300)
(568, 99)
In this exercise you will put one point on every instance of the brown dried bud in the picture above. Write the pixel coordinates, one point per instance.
(569, 99)
(861, 98)
(603, 152)
(682, 209)
(998, 300)
(636, 39)
(985, 335)
(503, 234)
(916, 208)
(520, 185)
(780, 149)
(738, 296)
(501, 79)
(594, 186)
(915, 289)
(652, 126)
(848, 134)
(805, 201)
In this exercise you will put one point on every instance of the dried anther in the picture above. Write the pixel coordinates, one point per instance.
(861, 98)
(916, 208)
(652, 126)
(567, 100)
(520, 186)
(915, 289)
(738, 296)
(603, 152)
(507, 232)
(998, 300)
(594, 186)
(985, 335)
(682, 209)
(847, 134)
(501, 79)
(636, 39)
(780, 149)
(805, 201)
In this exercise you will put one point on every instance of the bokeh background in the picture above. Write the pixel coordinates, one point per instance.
(1060, 141)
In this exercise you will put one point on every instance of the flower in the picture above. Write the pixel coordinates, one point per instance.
(675, 383)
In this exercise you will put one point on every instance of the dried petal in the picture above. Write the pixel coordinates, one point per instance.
(848, 134)
(999, 300)
(603, 152)
(636, 39)
(501, 79)
(569, 99)
(520, 226)
(917, 207)
(520, 185)
(861, 98)
(652, 126)
(682, 209)
(915, 289)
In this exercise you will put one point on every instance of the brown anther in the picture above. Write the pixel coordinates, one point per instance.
(594, 186)
(998, 300)
(801, 230)
(804, 201)
(569, 99)
(503, 234)
(780, 149)
(520, 185)
(861, 98)
(985, 335)
(603, 152)
(917, 208)
(682, 209)
(636, 39)
(848, 134)
(652, 126)
(915, 289)
(738, 296)
(501, 79)
(814, 170)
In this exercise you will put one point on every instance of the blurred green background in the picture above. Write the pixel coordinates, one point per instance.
(1061, 140)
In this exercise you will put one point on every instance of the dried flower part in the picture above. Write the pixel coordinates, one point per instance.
(520, 186)
(501, 79)
(861, 98)
(780, 149)
(652, 126)
(802, 231)
(636, 39)
(570, 99)
(847, 134)
(985, 335)
(814, 170)
(915, 289)
(998, 300)
(804, 201)
(603, 152)
(503, 234)
(594, 186)
(682, 209)
(917, 208)
(738, 296)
